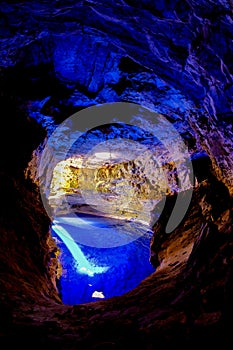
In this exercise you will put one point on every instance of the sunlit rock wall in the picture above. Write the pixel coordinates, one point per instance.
(121, 171)
(126, 189)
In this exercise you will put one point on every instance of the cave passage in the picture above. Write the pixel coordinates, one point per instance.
(103, 191)
(116, 263)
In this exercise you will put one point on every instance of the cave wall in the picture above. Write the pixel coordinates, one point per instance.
(58, 57)
(183, 67)
(26, 245)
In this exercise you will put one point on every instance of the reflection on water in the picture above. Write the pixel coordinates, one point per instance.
(115, 266)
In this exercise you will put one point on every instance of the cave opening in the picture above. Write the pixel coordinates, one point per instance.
(101, 197)
(103, 187)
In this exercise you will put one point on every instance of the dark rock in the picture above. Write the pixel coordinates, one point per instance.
(201, 165)
(173, 56)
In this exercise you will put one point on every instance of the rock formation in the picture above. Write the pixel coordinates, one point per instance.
(174, 57)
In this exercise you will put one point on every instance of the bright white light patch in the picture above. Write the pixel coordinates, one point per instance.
(97, 294)
(104, 155)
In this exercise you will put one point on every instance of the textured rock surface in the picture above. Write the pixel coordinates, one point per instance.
(175, 57)
(128, 189)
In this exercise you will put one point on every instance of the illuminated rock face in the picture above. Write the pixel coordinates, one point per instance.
(116, 170)
(125, 190)
(173, 56)
(129, 189)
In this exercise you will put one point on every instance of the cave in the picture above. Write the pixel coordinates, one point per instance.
(116, 167)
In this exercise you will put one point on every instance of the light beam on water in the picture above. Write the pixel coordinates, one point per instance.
(83, 265)
(91, 273)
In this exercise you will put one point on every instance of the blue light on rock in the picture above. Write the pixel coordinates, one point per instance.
(92, 273)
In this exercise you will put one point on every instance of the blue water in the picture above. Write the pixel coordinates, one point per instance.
(91, 273)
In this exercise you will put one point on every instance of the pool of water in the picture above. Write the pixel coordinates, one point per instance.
(100, 257)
